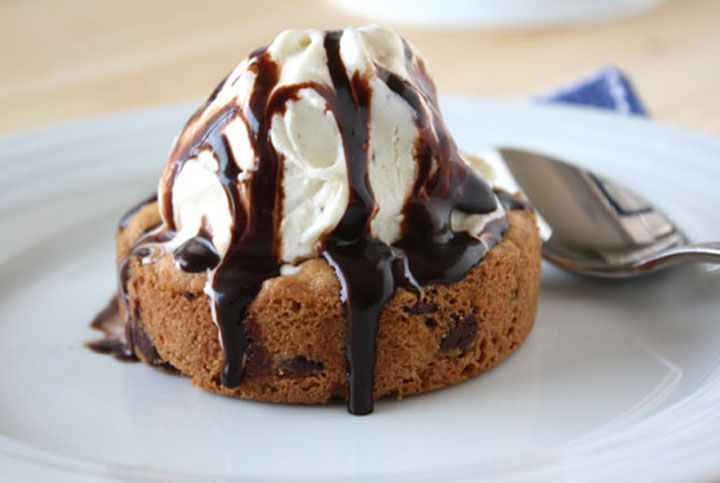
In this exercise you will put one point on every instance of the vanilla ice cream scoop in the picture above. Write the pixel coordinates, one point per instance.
(325, 144)
(312, 190)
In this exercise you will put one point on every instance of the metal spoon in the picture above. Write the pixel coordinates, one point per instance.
(600, 228)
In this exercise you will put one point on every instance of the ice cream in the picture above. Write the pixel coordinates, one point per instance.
(323, 144)
(313, 192)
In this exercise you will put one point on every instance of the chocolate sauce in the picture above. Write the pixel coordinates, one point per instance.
(112, 325)
(363, 264)
(122, 337)
(369, 271)
(139, 342)
(252, 256)
(512, 202)
(139, 251)
(444, 183)
(200, 135)
(198, 254)
(125, 220)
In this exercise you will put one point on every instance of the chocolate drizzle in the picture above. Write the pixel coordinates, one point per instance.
(252, 256)
(363, 264)
(444, 183)
(125, 220)
(112, 326)
(369, 271)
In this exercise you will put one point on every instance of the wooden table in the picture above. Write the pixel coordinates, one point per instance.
(69, 59)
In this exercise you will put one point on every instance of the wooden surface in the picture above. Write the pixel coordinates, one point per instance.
(68, 59)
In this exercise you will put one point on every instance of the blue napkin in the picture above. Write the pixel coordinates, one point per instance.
(609, 89)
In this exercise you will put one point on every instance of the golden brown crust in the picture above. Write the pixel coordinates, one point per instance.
(426, 341)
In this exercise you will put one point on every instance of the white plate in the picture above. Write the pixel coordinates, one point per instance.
(616, 378)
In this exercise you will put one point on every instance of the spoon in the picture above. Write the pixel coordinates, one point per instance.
(600, 228)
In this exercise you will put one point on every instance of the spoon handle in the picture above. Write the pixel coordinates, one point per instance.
(708, 252)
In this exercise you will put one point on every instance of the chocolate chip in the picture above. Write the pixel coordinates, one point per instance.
(257, 362)
(430, 322)
(301, 365)
(461, 335)
(188, 296)
(421, 308)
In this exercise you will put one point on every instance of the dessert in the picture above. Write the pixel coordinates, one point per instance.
(318, 235)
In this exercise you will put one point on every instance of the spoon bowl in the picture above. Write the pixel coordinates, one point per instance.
(599, 228)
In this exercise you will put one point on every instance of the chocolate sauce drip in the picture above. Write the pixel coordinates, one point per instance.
(198, 254)
(138, 341)
(125, 220)
(104, 319)
(217, 90)
(252, 255)
(121, 337)
(201, 135)
(417, 71)
(124, 271)
(364, 268)
(363, 265)
(401, 273)
(120, 333)
(113, 346)
(112, 326)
